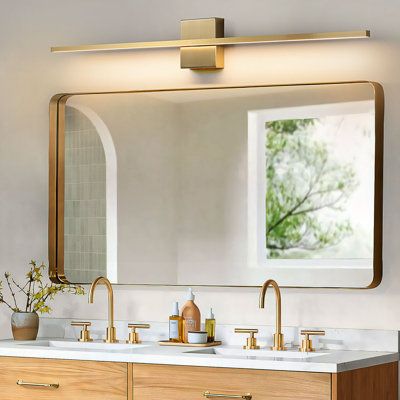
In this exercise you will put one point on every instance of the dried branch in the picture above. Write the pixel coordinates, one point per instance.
(21, 289)
(7, 276)
(8, 305)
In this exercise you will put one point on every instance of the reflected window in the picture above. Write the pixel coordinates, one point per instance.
(315, 187)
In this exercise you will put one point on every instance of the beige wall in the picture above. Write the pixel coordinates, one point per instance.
(29, 75)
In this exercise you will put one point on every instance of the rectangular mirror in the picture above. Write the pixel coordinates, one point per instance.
(218, 186)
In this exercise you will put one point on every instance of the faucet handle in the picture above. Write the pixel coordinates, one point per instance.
(251, 342)
(133, 335)
(85, 333)
(306, 343)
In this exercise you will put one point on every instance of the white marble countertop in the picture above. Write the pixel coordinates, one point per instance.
(330, 361)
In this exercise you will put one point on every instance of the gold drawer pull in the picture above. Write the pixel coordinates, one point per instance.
(45, 385)
(210, 395)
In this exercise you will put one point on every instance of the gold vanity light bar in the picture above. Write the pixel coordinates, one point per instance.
(223, 41)
(202, 42)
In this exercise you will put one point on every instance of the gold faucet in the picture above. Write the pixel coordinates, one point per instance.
(111, 333)
(279, 344)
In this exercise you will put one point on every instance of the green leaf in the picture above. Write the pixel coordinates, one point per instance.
(302, 178)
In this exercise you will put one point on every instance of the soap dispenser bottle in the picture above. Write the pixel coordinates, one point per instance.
(191, 316)
(175, 325)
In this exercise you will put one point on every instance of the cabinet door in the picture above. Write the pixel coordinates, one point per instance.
(158, 382)
(370, 383)
(88, 380)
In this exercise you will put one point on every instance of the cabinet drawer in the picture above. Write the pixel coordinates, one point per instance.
(162, 382)
(89, 380)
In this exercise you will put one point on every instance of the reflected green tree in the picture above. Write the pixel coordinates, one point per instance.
(303, 178)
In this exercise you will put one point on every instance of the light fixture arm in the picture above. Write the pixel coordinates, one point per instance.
(202, 42)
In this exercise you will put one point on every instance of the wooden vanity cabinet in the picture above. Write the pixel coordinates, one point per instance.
(162, 382)
(157, 382)
(77, 380)
(95, 380)
(373, 383)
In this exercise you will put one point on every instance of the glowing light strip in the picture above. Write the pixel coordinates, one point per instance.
(228, 41)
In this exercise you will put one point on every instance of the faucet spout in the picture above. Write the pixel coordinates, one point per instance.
(111, 331)
(279, 344)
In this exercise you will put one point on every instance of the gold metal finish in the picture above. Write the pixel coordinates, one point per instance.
(53, 178)
(202, 41)
(306, 343)
(133, 335)
(223, 41)
(111, 334)
(210, 395)
(56, 191)
(205, 57)
(202, 28)
(279, 344)
(56, 179)
(85, 334)
(43, 385)
(251, 342)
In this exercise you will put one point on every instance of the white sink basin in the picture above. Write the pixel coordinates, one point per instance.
(262, 353)
(96, 345)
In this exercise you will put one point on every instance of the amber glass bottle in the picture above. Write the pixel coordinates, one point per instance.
(175, 325)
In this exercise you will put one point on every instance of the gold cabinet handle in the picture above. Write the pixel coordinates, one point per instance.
(210, 395)
(20, 382)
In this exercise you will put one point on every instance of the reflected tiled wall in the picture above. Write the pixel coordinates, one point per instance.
(85, 199)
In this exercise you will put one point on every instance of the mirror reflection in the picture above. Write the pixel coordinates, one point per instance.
(225, 186)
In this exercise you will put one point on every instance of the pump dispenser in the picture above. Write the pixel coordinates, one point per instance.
(191, 316)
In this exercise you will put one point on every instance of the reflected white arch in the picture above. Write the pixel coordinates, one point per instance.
(111, 185)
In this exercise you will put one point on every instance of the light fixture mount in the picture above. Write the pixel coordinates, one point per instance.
(202, 42)
(202, 57)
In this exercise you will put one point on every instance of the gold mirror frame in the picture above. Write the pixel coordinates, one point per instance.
(56, 179)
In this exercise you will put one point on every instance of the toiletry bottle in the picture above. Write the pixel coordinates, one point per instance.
(210, 327)
(191, 316)
(175, 325)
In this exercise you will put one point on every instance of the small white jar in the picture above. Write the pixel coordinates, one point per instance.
(198, 337)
